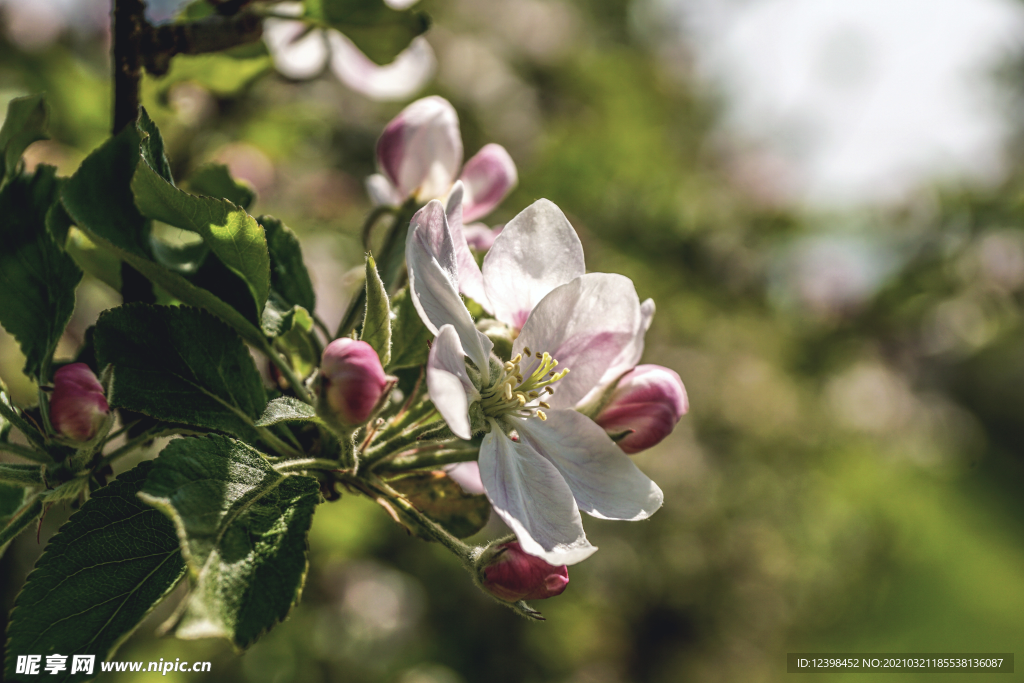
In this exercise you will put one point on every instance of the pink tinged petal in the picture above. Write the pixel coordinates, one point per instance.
(298, 53)
(585, 325)
(629, 357)
(407, 74)
(604, 481)
(647, 402)
(489, 176)
(421, 149)
(537, 251)
(381, 191)
(531, 497)
(434, 285)
(467, 475)
(479, 237)
(448, 382)
(471, 280)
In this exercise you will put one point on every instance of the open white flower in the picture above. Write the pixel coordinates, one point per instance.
(560, 462)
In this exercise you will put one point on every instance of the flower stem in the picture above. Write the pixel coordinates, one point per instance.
(402, 421)
(432, 431)
(26, 452)
(26, 475)
(433, 460)
(308, 464)
(28, 514)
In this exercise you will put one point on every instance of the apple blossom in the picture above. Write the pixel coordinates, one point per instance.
(562, 462)
(646, 404)
(78, 407)
(353, 381)
(420, 153)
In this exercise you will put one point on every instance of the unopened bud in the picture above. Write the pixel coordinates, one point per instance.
(420, 150)
(645, 406)
(512, 575)
(352, 381)
(78, 407)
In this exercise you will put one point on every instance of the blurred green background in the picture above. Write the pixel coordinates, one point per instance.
(849, 476)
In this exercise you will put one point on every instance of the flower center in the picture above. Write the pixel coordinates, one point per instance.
(514, 394)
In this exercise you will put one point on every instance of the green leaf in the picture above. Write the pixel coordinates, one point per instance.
(99, 200)
(297, 342)
(110, 564)
(377, 321)
(410, 338)
(181, 365)
(287, 409)
(25, 123)
(37, 279)
(214, 180)
(242, 527)
(232, 234)
(288, 274)
(376, 29)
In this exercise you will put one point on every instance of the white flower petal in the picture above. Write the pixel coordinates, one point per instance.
(537, 251)
(404, 76)
(585, 325)
(381, 191)
(629, 357)
(448, 382)
(489, 175)
(298, 52)
(420, 150)
(400, 4)
(467, 475)
(531, 497)
(434, 284)
(471, 280)
(603, 479)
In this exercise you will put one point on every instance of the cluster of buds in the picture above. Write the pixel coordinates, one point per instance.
(78, 406)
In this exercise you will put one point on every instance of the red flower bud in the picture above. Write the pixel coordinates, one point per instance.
(78, 407)
(512, 575)
(647, 403)
(353, 380)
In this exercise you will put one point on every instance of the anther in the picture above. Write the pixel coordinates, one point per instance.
(542, 416)
(526, 351)
(539, 355)
(508, 391)
(545, 405)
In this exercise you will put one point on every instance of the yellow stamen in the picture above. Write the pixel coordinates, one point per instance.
(542, 416)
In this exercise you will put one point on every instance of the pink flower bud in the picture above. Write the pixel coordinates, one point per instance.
(420, 151)
(353, 380)
(78, 407)
(512, 575)
(648, 402)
